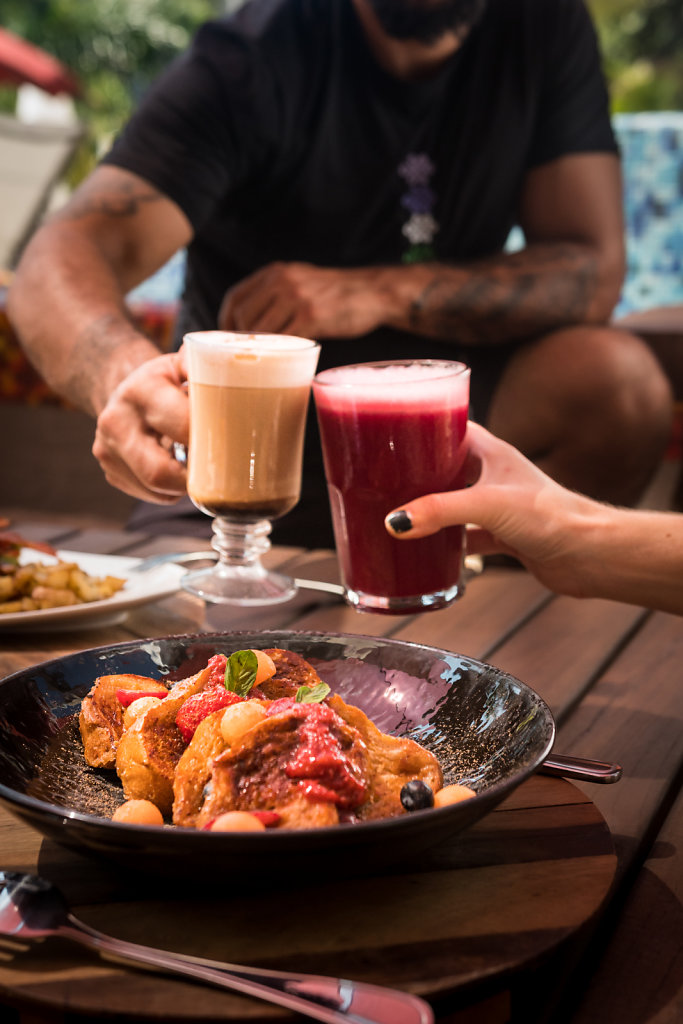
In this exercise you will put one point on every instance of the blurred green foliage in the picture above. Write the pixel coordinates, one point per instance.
(642, 44)
(117, 48)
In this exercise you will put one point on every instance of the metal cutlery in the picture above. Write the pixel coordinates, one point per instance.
(185, 557)
(32, 908)
(581, 769)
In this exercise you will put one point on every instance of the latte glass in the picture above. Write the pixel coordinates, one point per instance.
(248, 395)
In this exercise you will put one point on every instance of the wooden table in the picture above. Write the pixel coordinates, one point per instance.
(564, 904)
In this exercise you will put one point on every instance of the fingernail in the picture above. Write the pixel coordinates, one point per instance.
(400, 522)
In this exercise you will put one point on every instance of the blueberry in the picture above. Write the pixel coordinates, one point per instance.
(416, 795)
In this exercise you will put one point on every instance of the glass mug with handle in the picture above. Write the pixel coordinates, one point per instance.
(392, 431)
(249, 396)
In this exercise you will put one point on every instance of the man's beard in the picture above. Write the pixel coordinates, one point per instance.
(426, 22)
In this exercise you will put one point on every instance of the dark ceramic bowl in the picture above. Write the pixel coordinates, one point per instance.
(488, 730)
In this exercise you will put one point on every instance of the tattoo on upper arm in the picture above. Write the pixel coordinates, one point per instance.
(512, 296)
(121, 200)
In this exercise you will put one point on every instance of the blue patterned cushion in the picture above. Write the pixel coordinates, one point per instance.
(652, 153)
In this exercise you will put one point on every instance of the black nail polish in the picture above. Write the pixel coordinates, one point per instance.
(400, 522)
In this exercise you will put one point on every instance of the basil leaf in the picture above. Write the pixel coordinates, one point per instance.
(240, 672)
(312, 694)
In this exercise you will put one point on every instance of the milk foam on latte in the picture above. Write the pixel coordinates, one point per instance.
(248, 399)
(222, 359)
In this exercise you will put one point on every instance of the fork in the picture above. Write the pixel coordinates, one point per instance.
(34, 908)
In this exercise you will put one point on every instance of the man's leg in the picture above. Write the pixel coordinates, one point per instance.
(591, 406)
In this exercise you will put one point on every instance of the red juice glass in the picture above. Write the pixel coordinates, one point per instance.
(390, 432)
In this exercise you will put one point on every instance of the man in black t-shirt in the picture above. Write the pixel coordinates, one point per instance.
(350, 170)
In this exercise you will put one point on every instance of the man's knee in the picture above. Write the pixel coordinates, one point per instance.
(590, 405)
(599, 372)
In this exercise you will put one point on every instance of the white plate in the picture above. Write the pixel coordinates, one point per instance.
(139, 589)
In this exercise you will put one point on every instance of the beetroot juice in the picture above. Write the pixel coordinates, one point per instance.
(390, 433)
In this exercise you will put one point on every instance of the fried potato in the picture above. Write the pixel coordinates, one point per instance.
(90, 588)
(37, 586)
(53, 597)
(20, 604)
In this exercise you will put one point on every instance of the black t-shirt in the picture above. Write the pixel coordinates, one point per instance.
(281, 138)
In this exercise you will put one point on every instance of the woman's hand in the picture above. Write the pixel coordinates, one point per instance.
(511, 507)
(145, 415)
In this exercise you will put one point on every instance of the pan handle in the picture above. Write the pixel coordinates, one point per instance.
(581, 769)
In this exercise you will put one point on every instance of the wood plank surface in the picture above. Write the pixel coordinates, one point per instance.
(491, 902)
(566, 647)
(640, 966)
(634, 715)
(494, 605)
(475, 925)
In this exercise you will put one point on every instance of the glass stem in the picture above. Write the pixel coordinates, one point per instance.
(240, 544)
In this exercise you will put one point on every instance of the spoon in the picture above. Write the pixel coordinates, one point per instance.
(582, 769)
(33, 908)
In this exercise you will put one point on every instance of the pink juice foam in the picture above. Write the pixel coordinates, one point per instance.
(385, 443)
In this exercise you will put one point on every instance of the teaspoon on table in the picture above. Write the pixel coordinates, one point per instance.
(33, 908)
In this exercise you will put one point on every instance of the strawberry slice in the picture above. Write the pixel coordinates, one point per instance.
(126, 697)
(216, 666)
(197, 707)
(268, 818)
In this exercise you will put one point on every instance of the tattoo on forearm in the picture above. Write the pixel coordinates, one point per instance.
(122, 200)
(513, 296)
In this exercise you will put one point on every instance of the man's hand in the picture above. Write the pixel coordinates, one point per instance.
(308, 301)
(136, 430)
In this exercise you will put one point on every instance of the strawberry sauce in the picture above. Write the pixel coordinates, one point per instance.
(325, 771)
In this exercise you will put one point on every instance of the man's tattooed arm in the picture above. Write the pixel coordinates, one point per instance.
(114, 232)
(515, 295)
(124, 199)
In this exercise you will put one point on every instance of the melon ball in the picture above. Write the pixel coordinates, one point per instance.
(452, 795)
(240, 718)
(138, 812)
(137, 708)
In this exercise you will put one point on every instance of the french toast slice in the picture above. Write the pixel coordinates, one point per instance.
(195, 767)
(150, 749)
(254, 775)
(101, 716)
(392, 761)
(193, 771)
(291, 672)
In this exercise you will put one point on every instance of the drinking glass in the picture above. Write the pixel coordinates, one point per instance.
(390, 432)
(248, 399)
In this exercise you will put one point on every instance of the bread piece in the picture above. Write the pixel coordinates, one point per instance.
(194, 769)
(392, 761)
(292, 671)
(101, 716)
(251, 775)
(149, 751)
